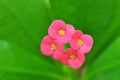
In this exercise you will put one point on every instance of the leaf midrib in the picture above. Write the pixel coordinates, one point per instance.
(107, 68)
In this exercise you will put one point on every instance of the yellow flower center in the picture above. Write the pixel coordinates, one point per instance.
(72, 56)
(80, 42)
(53, 47)
(61, 32)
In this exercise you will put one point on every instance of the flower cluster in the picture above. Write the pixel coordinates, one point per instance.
(59, 34)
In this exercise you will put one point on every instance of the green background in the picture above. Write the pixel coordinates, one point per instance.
(23, 24)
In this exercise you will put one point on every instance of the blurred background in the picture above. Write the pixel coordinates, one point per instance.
(23, 24)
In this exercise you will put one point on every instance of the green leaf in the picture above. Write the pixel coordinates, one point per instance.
(24, 22)
(18, 64)
(99, 18)
(106, 66)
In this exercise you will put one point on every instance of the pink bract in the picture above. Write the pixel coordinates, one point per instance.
(60, 31)
(81, 42)
(50, 47)
(73, 58)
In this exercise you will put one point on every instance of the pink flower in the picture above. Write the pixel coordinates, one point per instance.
(60, 31)
(81, 42)
(73, 58)
(50, 47)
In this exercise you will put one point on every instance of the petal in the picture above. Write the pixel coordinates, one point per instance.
(87, 39)
(64, 59)
(88, 42)
(84, 49)
(69, 51)
(69, 32)
(45, 46)
(77, 34)
(57, 24)
(65, 56)
(57, 55)
(60, 47)
(73, 42)
(47, 40)
(81, 57)
(54, 27)
(74, 45)
(75, 64)
(46, 50)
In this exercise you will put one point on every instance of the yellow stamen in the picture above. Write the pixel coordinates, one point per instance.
(61, 32)
(72, 56)
(53, 47)
(80, 42)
